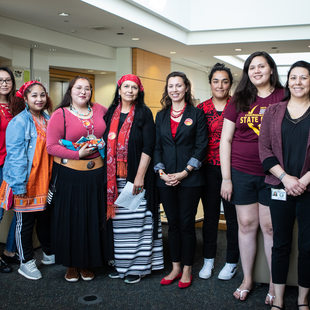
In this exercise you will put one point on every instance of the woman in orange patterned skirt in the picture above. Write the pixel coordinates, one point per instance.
(27, 170)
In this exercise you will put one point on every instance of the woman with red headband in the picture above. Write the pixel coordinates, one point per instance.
(130, 137)
(26, 174)
(80, 232)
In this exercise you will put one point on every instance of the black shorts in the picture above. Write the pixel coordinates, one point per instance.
(249, 188)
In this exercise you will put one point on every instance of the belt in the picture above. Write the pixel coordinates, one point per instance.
(81, 164)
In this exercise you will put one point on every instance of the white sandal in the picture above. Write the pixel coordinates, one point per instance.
(269, 299)
(241, 292)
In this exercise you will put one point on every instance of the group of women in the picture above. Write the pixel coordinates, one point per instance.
(223, 151)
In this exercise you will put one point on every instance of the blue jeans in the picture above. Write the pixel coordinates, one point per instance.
(10, 242)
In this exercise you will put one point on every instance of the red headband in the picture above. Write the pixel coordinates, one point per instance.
(130, 77)
(21, 91)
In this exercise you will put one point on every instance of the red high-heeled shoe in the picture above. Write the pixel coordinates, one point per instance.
(167, 282)
(185, 284)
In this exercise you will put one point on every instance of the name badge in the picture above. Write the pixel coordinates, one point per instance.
(278, 194)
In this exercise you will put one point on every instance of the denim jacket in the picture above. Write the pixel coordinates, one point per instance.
(21, 139)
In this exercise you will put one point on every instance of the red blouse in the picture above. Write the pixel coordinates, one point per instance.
(5, 117)
(174, 126)
(214, 125)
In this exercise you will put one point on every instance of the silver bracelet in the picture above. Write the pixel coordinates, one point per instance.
(282, 175)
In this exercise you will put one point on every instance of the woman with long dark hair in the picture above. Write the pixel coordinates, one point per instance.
(284, 148)
(7, 95)
(130, 137)
(242, 171)
(220, 79)
(80, 231)
(27, 171)
(181, 142)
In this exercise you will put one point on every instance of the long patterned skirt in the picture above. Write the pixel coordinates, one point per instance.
(135, 250)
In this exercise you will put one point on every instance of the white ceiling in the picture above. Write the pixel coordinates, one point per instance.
(85, 20)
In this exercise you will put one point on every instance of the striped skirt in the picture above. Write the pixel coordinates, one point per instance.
(135, 250)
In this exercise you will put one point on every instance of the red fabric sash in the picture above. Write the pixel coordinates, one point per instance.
(117, 152)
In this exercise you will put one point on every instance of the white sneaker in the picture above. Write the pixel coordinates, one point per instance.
(29, 270)
(48, 259)
(207, 268)
(228, 271)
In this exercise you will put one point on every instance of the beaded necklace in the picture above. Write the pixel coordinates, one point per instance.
(73, 109)
(89, 125)
(177, 113)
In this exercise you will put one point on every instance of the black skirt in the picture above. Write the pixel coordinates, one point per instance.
(81, 235)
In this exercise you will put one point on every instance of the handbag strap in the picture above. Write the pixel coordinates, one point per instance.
(63, 112)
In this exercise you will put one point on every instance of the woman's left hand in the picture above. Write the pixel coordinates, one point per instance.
(177, 177)
(138, 185)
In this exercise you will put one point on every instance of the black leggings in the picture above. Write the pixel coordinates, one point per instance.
(211, 199)
(180, 205)
(283, 214)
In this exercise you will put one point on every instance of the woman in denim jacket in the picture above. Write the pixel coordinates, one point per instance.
(27, 171)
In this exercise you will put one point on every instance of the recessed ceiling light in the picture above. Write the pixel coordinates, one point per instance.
(238, 49)
(90, 70)
(173, 52)
(135, 39)
(103, 72)
(309, 46)
(63, 14)
(52, 49)
(235, 74)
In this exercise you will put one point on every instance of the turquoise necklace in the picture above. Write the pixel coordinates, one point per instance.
(73, 109)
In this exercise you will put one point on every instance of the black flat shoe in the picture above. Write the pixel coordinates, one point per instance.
(302, 305)
(4, 267)
(11, 259)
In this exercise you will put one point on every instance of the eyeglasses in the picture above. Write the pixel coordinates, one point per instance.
(7, 81)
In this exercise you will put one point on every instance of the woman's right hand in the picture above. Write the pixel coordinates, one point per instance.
(86, 151)
(292, 185)
(226, 189)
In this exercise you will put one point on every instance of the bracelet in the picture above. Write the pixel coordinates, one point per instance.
(282, 175)
(161, 173)
(187, 170)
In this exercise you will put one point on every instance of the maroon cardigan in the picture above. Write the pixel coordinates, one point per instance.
(270, 142)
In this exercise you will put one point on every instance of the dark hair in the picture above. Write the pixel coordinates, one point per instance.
(246, 92)
(139, 101)
(67, 99)
(11, 94)
(300, 64)
(166, 101)
(19, 104)
(220, 67)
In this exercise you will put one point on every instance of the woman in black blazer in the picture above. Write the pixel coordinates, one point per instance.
(181, 142)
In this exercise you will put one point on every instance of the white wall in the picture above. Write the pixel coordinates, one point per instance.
(105, 86)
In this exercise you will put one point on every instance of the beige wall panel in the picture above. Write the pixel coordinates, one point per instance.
(152, 70)
(150, 65)
(153, 91)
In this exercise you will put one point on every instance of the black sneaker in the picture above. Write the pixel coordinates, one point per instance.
(131, 279)
(11, 259)
(4, 267)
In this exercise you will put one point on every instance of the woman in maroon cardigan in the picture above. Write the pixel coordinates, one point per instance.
(284, 149)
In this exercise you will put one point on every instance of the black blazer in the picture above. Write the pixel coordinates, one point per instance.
(190, 142)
